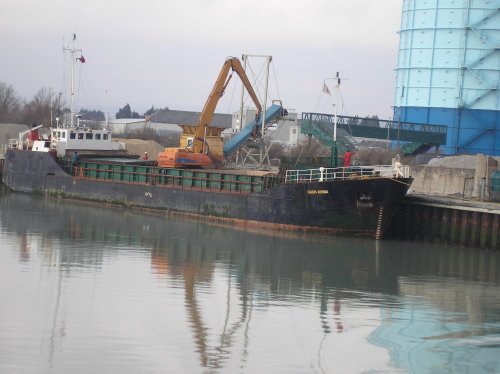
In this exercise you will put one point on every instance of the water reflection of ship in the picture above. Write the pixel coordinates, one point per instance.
(261, 268)
(195, 269)
(312, 261)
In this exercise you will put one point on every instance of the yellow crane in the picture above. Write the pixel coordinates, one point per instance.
(196, 153)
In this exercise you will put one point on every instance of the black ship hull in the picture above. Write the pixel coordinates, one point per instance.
(360, 207)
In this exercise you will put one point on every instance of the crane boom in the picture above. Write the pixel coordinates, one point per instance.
(196, 154)
(234, 64)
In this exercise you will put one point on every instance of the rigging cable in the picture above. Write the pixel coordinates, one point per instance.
(342, 111)
(231, 100)
(79, 85)
(256, 81)
(321, 92)
(276, 81)
(91, 88)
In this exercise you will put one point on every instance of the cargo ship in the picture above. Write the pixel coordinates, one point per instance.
(76, 162)
(354, 201)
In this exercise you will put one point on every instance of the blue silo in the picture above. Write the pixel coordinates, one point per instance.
(448, 71)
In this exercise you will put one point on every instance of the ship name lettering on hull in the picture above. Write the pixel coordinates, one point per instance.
(317, 192)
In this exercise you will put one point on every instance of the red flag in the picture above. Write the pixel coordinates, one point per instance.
(82, 59)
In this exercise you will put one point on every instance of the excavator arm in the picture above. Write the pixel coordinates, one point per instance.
(233, 64)
(197, 154)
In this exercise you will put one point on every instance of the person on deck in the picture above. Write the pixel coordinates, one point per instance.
(347, 157)
(145, 157)
(74, 159)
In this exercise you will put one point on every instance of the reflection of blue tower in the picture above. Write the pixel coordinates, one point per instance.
(448, 71)
(422, 339)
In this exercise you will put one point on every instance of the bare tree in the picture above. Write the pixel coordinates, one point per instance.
(374, 156)
(9, 104)
(145, 133)
(42, 108)
(310, 147)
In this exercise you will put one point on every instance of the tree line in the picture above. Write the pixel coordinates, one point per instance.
(127, 112)
(46, 105)
(40, 109)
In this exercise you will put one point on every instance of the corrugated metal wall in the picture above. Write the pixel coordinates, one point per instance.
(448, 71)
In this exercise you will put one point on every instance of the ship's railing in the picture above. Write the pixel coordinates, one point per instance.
(13, 143)
(4, 149)
(328, 174)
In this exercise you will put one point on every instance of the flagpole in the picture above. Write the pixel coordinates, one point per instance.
(334, 153)
(337, 89)
(72, 94)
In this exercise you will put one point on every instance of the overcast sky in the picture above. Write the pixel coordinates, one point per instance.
(169, 52)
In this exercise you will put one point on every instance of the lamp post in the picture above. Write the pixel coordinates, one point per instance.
(334, 156)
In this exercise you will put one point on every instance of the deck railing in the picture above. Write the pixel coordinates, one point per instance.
(327, 174)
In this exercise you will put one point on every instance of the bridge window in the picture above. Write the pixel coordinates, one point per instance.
(63, 134)
(88, 135)
(72, 135)
(80, 135)
(98, 136)
(104, 136)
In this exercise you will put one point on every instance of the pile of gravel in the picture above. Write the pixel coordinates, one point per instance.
(458, 162)
(139, 146)
(461, 162)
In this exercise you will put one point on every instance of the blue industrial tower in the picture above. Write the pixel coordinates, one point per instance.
(448, 71)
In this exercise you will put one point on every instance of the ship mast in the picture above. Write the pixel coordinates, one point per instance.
(334, 156)
(73, 53)
(337, 91)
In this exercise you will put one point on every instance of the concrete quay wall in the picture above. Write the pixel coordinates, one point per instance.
(466, 177)
(440, 180)
(451, 203)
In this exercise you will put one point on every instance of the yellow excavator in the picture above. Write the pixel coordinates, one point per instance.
(195, 152)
